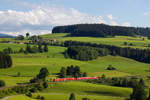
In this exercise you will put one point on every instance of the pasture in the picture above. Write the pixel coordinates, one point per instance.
(30, 64)
(138, 42)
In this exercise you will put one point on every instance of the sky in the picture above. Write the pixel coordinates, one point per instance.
(18, 17)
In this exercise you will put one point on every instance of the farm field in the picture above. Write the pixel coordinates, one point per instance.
(28, 65)
(82, 89)
(137, 42)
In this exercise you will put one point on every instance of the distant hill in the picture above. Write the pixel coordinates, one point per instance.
(3, 35)
(101, 30)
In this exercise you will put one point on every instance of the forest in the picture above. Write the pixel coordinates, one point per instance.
(100, 30)
(142, 55)
(5, 60)
(85, 53)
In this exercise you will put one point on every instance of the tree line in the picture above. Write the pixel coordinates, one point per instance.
(73, 71)
(101, 30)
(5, 60)
(83, 53)
(142, 55)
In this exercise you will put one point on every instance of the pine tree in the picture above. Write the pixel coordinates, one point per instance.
(138, 93)
(63, 72)
(45, 48)
(72, 96)
(40, 48)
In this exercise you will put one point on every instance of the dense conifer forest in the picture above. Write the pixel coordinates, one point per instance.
(101, 30)
(5, 60)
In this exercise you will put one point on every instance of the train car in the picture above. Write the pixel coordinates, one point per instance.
(71, 79)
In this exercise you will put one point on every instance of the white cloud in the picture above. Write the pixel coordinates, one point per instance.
(110, 16)
(41, 19)
(126, 24)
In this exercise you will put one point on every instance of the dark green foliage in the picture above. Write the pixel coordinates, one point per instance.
(28, 48)
(36, 49)
(62, 73)
(139, 93)
(20, 89)
(2, 83)
(84, 74)
(40, 48)
(29, 94)
(85, 99)
(41, 76)
(40, 97)
(20, 37)
(21, 50)
(110, 67)
(27, 35)
(103, 77)
(148, 37)
(73, 71)
(43, 73)
(45, 85)
(141, 82)
(83, 53)
(8, 51)
(100, 30)
(72, 96)
(18, 74)
(141, 55)
(5, 60)
(45, 48)
(125, 43)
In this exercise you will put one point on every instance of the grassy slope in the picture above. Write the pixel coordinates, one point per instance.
(20, 97)
(118, 40)
(58, 96)
(30, 64)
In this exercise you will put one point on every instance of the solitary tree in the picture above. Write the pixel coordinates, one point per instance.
(72, 96)
(27, 34)
(43, 73)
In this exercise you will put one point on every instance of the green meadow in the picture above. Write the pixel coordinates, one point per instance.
(137, 41)
(28, 65)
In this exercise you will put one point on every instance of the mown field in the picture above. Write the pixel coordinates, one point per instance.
(137, 42)
(61, 91)
(30, 64)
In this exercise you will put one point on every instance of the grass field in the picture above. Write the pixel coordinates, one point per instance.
(61, 91)
(20, 97)
(59, 96)
(137, 42)
(30, 64)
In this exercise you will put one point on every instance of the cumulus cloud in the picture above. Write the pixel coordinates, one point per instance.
(110, 16)
(126, 24)
(42, 19)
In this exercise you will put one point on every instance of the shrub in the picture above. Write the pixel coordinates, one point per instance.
(111, 68)
(2, 83)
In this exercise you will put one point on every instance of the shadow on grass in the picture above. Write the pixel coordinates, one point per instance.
(105, 93)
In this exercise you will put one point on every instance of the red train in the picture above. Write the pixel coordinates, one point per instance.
(70, 79)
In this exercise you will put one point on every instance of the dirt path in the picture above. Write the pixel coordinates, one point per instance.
(6, 98)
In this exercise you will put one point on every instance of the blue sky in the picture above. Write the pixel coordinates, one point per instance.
(39, 16)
